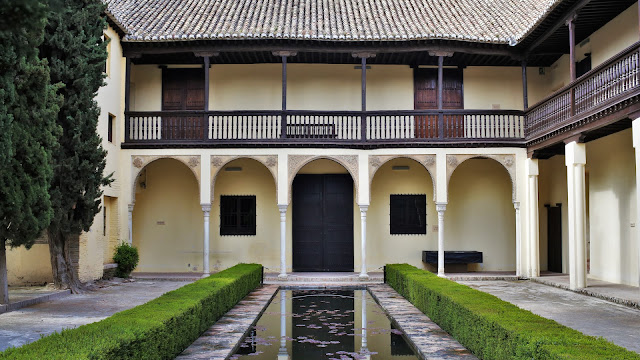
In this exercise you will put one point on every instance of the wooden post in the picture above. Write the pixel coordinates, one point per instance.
(205, 116)
(363, 122)
(440, 114)
(127, 98)
(283, 117)
(572, 59)
(525, 89)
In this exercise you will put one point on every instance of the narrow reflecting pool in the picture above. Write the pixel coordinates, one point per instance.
(324, 324)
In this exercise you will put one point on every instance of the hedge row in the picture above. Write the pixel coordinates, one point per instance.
(159, 329)
(492, 328)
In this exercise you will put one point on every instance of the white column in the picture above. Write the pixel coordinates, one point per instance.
(636, 145)
(516, 206)
(130, 215)
(282, 352)
(441, 207)
(363, 241)
(533, 219)
(283, 241)
(206, 209)
(576, 158)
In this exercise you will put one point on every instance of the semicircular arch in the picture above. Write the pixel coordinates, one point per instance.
(140, 163)
(219, 162)
(427, 162)
(349, 162)
(507, 162)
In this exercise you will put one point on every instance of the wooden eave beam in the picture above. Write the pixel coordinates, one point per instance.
(561, 22)
(131, 48)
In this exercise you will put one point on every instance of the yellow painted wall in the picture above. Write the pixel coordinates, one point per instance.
(612, 206)
(382, 247)
(486, 86)
(552, 189)
(171, 196)
(262, 248)
(480, 214)
(29, 267)
(615, 36)
(146, 88)
(112, 237)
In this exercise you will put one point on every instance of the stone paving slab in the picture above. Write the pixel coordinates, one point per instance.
(617, 293)
(220, 340)
(20, 297)
(429, 340)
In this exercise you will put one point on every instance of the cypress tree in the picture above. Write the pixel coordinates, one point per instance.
(76, 52)
(28, 130)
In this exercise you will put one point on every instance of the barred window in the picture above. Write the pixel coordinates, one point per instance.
(408, 214)
(237, 215)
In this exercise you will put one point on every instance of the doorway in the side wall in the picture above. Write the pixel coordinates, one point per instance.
(322, 211)
(554, 237)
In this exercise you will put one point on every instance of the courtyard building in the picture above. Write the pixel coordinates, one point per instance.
(345, 135)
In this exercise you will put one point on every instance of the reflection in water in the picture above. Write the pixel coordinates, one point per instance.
(324, 324)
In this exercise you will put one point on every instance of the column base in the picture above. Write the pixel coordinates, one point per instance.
(282, 276)
(363, 276)
(442, 275)
(205, 275)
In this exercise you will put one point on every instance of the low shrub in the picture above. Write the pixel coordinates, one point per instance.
(126, 256)
(159, 329)
(492, 328)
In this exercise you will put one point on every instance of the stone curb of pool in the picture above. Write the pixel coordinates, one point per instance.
(428, 340)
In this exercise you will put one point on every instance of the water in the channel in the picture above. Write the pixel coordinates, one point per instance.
(324, 324)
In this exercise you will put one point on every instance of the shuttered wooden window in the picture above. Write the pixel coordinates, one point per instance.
(237, 215)
(408, 214)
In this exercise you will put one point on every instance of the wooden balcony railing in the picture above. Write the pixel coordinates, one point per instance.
(599, 89)
(326, 126)
(603, 87)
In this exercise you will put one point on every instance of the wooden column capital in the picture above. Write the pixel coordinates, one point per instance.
(441, 53)
(363, 55)
(571, 19)
(206, 54)
(284, 53)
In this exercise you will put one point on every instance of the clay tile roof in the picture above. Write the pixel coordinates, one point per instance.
(484, 21)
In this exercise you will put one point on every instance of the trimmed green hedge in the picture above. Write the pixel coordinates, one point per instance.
(159, 329)
(492, 328)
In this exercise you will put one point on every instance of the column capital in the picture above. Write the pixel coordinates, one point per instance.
(636, 132)
(206, 54)
(206, 207)
(283, 208)
(516, 205)
(364, 208)
(363, 55)
(571, 19)
(130, 207)
(575, 153)
(441, 206)
(283, 53)
(532, 167)
(441, 53)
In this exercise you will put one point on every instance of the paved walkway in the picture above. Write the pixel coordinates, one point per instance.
(24, 296)
(621, 294)
(29, 324)
(617, 323)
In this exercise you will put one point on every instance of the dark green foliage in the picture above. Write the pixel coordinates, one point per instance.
(28, 131)
(76, 52)
(492, 328)
(159, 329)
(126, 257)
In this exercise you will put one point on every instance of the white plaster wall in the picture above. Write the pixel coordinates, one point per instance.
(168, 222)
(382, 247)
(489, 87)
(480, 214)
(552, 187)
(264, 247)
(612, 208)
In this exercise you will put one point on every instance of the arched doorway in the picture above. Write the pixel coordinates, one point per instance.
(480, 214)
(408, 180)
(323, 200)
(167, 218)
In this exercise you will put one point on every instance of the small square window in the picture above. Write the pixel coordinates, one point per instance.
(110, 126)
(237, 215)
(408, 214)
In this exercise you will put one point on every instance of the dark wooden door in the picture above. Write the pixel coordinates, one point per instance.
(554, 237)
(322, 222)
(426, 98)
(182, 89)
